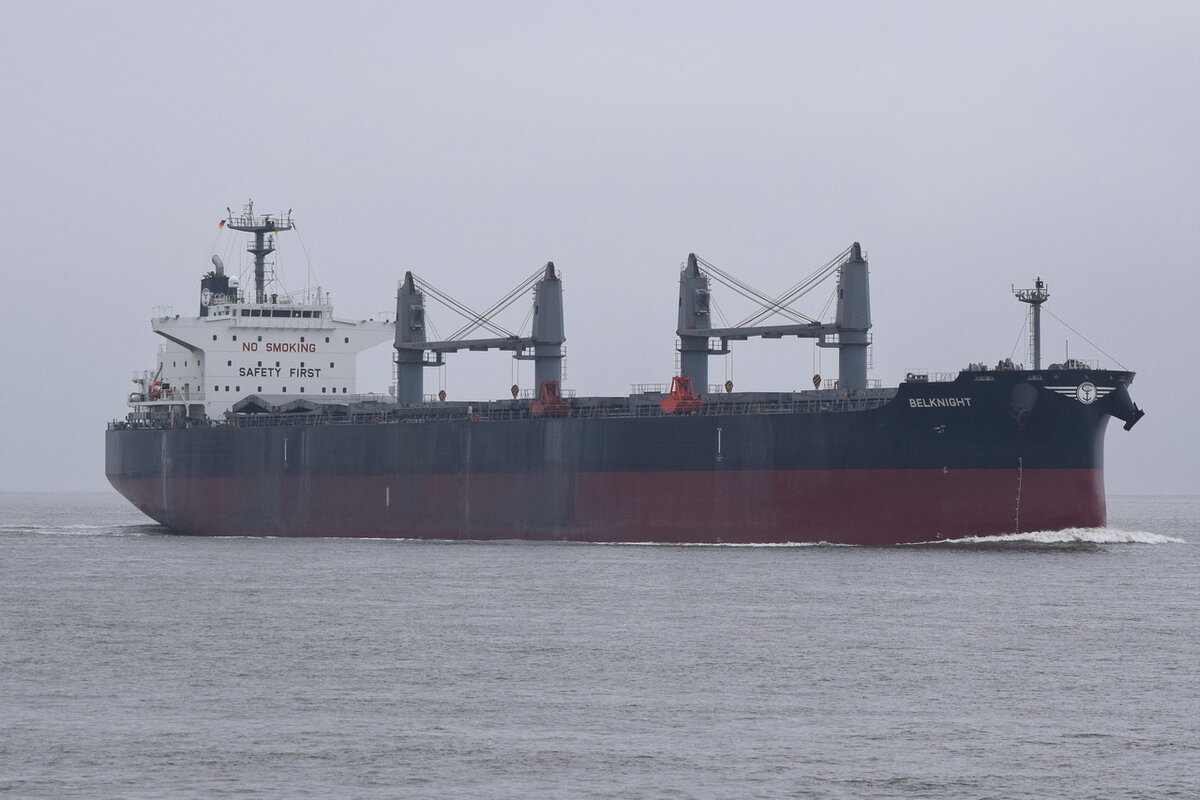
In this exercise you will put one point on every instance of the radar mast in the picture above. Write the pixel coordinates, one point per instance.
(263, 243)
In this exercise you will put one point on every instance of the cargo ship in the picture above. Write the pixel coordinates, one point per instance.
(251, 424)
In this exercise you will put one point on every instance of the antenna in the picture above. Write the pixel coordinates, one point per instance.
(263, 244)
(1035, 297)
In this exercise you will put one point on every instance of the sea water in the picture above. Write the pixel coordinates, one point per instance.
(138, 664)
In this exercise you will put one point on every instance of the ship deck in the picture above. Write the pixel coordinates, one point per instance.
(256, 410)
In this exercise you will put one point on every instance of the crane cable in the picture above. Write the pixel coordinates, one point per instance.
(811, 281)
(476, 319)
(776, 305)
(748, 291)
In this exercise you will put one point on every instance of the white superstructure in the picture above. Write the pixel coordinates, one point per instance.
(273, 346)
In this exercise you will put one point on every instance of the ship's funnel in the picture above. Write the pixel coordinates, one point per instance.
(216, 287)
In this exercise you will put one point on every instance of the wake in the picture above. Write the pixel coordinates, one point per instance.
(135, 529)
(1068, 536)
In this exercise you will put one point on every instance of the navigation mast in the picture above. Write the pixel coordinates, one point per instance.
(1035, 297)
(263, 244)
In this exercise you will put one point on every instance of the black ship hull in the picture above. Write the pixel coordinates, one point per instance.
(987, 454)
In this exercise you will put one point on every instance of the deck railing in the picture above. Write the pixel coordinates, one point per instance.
(618, 408)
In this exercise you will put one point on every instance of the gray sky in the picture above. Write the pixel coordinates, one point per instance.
(968, 146)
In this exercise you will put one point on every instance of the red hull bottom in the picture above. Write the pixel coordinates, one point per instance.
(866, 507)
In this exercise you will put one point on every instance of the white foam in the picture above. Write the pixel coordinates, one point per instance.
(1070, 536)
(720, 544)
(137, 529)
